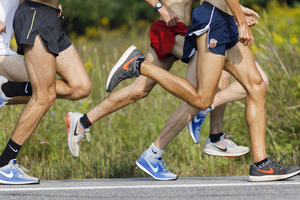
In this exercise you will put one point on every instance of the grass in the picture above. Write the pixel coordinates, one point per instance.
(119, 139)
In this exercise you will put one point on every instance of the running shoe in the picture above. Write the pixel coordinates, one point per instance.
(126, 67)
(76, 132)
(195, 126)
(224, 147)
(272, 171)
(155, 168)
(3, 98)
(13, 173)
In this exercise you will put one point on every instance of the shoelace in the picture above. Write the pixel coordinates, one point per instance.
(162, 164)
(85, 134)
(230, 142)
(273, 156)
(20, 169)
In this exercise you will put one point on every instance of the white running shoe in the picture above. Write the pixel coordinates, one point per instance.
(13, 174)
(3, 98)
(76, 132)
(224, 147)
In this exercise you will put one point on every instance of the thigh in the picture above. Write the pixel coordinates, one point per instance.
(70, 67)
(240, 63)
(13, 68)
(209, 69)
(41, 67)
(146, 83)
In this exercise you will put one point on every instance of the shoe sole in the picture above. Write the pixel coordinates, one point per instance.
(119, 63)
(146, 171)
(70, 131)
(272, 177)
(223, 154)
(18, 183)
(190, 127)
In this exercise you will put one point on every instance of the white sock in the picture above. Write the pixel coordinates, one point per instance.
(210, 108)
(153, 152)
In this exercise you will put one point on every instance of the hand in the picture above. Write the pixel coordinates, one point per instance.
(2, 27)
(245, 35)
(250, 16)
(60, 8)
(169, 16)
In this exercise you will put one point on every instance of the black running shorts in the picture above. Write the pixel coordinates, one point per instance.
(32, 18)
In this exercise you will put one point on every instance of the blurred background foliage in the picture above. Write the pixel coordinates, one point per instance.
(109, 14)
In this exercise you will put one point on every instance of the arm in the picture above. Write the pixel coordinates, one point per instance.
(168, 15)
(245, 34)
(250, 16)
(2, 27)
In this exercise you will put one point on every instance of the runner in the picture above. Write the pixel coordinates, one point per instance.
(167, 41)
(33, 21)
(216, 36)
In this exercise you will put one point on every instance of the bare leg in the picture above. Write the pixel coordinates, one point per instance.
(243, 68)
(40, 64)
(139, 89)
(216, 116)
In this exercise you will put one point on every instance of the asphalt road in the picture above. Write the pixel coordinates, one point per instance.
(230, 187)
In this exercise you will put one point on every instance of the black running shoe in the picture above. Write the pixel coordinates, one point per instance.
(272, 171)
(126, 67)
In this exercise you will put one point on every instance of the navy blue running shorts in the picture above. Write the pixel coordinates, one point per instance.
(32, 18)
(221, 29)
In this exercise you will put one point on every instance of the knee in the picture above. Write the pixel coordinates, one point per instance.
(202, 102)
(82, 90)
(44, 100)
(258, 89)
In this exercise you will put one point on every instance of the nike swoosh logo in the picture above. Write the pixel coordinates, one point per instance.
(15, 150)
(125, 66)
(7, 175)
(196, 120)
(266, 171)
(154, 152)
(75, 131)
(225, 149)
(26, 91)
(153, 169)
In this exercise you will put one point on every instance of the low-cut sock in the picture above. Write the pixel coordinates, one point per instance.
(13, 89)
(215, 137)
(84, 120)
(153, 152)
(207, 110)
(10, 152)
(261, 163)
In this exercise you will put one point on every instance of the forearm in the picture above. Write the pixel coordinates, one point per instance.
(237, 12)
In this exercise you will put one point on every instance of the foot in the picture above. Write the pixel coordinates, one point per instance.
(195, 126)
(126, 67)
(12, 173)
(3, 98)
(272, 171)
(76, 132)
(155, 168)
(224, 147)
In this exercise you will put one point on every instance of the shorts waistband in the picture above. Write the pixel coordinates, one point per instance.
(36, 4)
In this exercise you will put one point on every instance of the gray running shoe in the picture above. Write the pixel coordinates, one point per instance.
(13, 174)
(224, 147)
(76, 132)
(3, 98)
(126, 67)
(272, 171)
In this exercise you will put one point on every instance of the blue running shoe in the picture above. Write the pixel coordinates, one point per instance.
(12, 173)
(3, 98)
(156, 168)
(195, 126)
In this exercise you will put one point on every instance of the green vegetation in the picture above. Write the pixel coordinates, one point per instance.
(118, 139)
